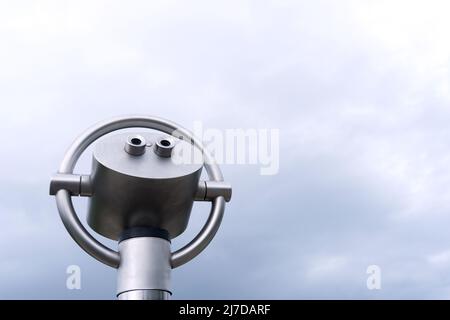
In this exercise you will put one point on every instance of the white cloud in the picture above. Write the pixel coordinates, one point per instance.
(441, 259)
(325, 267)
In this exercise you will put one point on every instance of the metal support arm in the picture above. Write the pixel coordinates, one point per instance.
(80, 185)
(209, 190)
(77, 185)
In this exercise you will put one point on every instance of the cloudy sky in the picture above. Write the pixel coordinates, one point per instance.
(360, 91)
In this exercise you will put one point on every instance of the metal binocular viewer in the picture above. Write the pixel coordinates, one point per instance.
(141, 191)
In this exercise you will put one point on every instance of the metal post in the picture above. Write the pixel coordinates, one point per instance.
(144, 271)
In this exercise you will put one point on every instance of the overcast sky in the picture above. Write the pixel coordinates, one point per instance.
(360, 91)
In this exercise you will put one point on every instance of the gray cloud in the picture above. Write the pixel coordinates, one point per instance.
(359, 91)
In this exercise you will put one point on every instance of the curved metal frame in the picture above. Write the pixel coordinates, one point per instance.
(95, 248)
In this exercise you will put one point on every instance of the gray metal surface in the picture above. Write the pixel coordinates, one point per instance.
(75, 184)
(141, 191)
(144, 265)
(82, 236)
(144, 295)
(164, 146)
(135, 145)
(209, 190)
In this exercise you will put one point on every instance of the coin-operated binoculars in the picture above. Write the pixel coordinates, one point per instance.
(141, 191)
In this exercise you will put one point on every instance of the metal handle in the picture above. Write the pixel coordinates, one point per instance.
(92, 246)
